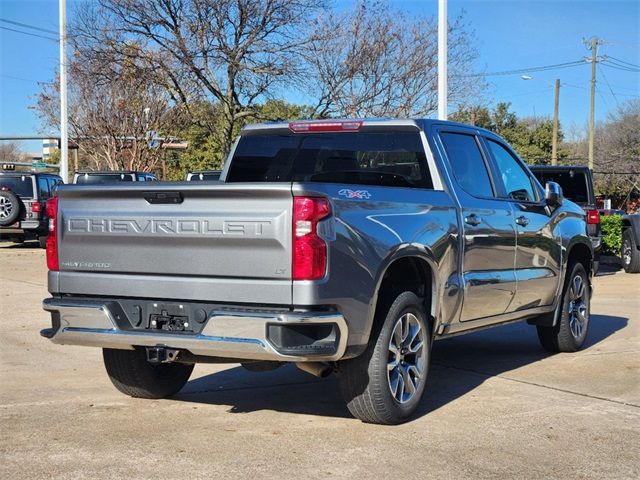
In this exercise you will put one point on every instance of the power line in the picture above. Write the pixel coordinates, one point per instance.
(623, 61)
(28, 33)
(527, 70)
(25, 79)
(601, 72)
(26, 25)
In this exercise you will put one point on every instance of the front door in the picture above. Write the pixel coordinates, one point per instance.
(487, 227)
(537, 252)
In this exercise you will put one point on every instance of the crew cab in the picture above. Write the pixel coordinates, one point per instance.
(84, 177)
(22, 205)
(342, 246)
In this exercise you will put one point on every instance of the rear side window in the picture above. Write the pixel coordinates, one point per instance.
(43, 187)
(574, 184)
(380, 158)
(467, 163)
(20, 185)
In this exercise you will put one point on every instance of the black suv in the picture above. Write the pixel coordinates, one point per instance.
(23, 196)
(112, 176)
(577, 186)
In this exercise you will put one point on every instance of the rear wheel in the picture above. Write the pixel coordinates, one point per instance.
(570, 333)
(385, 384)
(630, 253)
(133, 375)
(42, 240)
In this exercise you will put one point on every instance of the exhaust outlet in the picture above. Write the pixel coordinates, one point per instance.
(318, 369)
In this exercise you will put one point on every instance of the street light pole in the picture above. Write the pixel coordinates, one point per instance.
(442, 59)
(554, 140)
(64, 134)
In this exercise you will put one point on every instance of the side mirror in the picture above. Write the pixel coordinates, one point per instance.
(553, 194)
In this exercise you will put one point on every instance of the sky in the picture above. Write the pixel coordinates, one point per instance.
(510, 34)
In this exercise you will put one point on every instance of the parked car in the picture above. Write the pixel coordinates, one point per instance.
(577, 186)
(631, 243)
(204, 175)
(22, 205)
(101, 177)
(342, 246)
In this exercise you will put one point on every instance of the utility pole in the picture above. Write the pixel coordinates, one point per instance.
(554, 140)
(442, 59)
(594, 42)
(64, 133)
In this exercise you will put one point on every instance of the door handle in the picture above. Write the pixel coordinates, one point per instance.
(522, 220)
(473, 220)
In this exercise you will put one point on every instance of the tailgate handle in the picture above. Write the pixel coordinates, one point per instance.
(163, 197)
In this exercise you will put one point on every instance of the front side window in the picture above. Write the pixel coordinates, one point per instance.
(467, 163)
(515, 179)
(376, 158)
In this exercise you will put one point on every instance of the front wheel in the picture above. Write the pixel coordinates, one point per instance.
(630, 253)
(570, 333)
(133, 375)
(385, 384)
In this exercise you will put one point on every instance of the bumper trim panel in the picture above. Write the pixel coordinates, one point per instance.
(228, 333)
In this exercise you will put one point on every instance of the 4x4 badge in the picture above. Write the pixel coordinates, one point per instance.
(361, 194)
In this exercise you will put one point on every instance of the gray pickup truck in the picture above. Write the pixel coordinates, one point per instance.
(342, 246)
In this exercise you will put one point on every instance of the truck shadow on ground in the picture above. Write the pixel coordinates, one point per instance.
(459, 365)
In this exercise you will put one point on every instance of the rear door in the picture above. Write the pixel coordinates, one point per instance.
(538, 253)
(489, 235)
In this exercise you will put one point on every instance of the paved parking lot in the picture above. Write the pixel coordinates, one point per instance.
(496, 406)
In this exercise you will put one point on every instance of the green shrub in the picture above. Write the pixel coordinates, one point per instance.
(611, 227)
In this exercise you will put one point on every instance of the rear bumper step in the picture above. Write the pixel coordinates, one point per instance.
(238, 334)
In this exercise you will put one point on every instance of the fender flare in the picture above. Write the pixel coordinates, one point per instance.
(407, 250)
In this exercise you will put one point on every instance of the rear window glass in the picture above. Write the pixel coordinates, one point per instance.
(381, 158)
(573, 182)
(85, 178)
(205, 177)
(20, 185)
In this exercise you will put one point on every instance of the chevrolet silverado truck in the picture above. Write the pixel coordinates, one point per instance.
(341, 246)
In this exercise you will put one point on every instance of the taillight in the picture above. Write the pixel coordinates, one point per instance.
(309, 250)
(326, 126)
(52, 237)
(36, 207)
(593, 217)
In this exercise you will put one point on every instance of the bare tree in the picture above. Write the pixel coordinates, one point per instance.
(108, 120)
(230, 52)
(375, 61)
(10, 152)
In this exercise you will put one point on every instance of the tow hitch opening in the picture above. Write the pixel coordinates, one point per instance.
(162, 354)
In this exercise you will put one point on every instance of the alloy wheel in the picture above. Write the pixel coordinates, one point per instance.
(578, 308)
(6, 207)
(407, 357)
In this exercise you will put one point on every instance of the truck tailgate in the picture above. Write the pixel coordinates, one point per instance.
(223, 231)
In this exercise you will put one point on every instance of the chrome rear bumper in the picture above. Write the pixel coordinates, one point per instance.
(227, 334)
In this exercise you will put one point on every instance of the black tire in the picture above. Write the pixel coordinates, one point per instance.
(365, 381)
(567, 335)
(630, 254)
(42, 240)
(10, 207)
(17, 240)
(133, 375)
